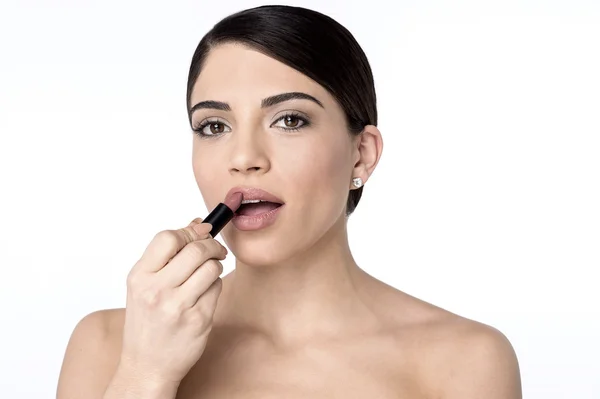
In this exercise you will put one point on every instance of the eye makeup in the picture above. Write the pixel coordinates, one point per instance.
(293, 116)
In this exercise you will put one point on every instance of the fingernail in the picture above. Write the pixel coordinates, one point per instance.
(202, 228)
(195, 221)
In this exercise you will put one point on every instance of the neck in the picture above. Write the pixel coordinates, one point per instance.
(315, 293)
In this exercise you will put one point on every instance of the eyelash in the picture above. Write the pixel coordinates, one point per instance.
(199, 127)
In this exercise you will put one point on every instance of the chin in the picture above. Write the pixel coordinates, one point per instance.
(258, 256)
(258, 251)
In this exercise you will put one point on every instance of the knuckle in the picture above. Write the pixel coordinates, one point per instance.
(201, 317)
(197, 249)
(168, 239)
(213, 247)
(203, 313)
(135, 279)
(207, 304)
(220, 268)
(172, 309)
(132, 279)
(187, 234)
(214, 267)
(150, 297)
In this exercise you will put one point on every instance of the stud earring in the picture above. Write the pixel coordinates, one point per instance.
(357, 181)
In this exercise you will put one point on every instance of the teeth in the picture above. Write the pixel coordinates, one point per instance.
(252, 201)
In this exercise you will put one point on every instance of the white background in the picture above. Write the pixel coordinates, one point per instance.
(486, 200)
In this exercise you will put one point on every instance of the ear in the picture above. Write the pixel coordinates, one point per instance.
(368, 147)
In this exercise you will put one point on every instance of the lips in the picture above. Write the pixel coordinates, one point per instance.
(252, 193)
(255, 210)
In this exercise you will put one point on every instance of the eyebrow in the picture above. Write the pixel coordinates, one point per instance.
(265, 103)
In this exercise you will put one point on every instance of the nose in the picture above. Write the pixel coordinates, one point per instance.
(249, 153)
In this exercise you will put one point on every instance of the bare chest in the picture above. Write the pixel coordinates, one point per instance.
(336, 371)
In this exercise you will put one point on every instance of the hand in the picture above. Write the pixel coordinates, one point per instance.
(172, 293)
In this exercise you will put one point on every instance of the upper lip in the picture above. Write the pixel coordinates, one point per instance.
(253, 193)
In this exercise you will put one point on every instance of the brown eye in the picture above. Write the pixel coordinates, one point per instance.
(216, 127)
(211, 128)
(291, 121)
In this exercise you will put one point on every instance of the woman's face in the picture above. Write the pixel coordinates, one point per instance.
(308, 165)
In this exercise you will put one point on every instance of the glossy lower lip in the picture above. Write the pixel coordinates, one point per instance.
(256, 222)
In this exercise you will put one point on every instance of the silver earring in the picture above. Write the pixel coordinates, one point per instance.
(357, 181)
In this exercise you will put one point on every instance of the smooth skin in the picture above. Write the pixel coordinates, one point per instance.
(297, 317)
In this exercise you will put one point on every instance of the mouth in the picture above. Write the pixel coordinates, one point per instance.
(258, 208)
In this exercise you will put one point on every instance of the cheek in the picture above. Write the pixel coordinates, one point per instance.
(318, 169)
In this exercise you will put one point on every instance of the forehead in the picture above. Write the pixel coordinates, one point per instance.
(233, 72)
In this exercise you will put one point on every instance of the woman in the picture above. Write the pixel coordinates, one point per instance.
(282, 104)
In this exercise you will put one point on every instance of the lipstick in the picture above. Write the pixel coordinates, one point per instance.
(223, 212)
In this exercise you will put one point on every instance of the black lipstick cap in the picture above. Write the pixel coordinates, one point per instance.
(219, 217)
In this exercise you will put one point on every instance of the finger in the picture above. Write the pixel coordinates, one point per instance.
(167, 243)
(196, 221)
(191, 257)
(202, 229)
(199, 282)
(207, 302)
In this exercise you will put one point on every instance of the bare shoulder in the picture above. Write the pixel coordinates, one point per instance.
(473, 360)
(457, 357)
(92, 355)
